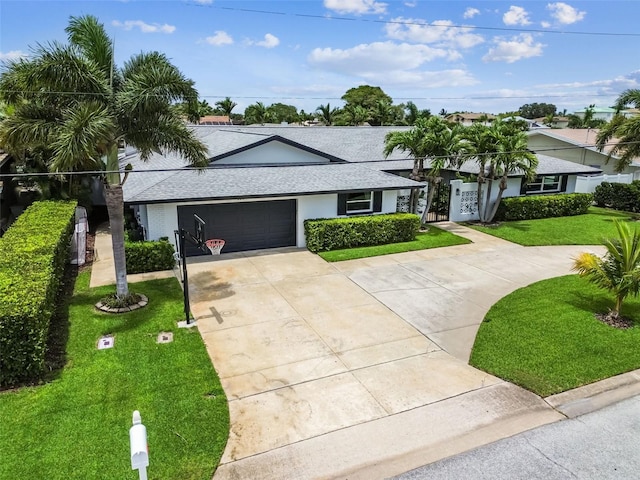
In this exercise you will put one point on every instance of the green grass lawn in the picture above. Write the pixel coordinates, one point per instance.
(434, 237)
(77, 425)
(588, 229)
(545, 337)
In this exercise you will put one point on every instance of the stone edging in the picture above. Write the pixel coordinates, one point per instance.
(142, 303)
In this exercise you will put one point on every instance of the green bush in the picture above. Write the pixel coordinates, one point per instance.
(33, 255)
(149, 256)
(619, 196)
(544, 206)
(334, 233)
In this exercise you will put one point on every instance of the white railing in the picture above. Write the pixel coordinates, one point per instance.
(588, 184)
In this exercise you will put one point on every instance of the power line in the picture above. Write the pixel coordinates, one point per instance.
(253, 97)
(213, 168)
(413, 22)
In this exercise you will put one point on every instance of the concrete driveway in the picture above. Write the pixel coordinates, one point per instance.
(359, 369)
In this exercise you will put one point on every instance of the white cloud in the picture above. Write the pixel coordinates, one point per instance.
(516, 16)
(219, 38)
(204, 2)
(564, 13)
(144, 27)
(12, 55)
(517, 48)
(390, 63)
(439, 32)
(545, 24)
(375, 57)
(470, 12)
(619, 83)
(356, 6)
(411, 4)
(269, 41)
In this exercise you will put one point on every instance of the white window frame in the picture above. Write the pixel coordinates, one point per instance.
(540, 182)
(351, 202)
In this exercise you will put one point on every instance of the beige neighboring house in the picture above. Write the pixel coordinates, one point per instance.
(467, 119)
(215, 120)
(577, 145)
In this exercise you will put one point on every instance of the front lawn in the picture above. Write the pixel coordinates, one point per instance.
(434, 237)
(588, 229)
(545, 337)
(77, 425)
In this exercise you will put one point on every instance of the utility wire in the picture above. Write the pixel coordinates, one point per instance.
(196, 169)
(414, 22)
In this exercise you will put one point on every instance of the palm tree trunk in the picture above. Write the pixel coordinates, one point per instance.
(503, 187)
(618, 307)
(115, 208)
(480, 204)
(432, 190)
(487, 205)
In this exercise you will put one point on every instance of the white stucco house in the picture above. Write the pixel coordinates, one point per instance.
(577, 145)
(262, 183)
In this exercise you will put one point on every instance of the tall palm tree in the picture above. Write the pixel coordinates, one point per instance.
(326, 114)
(76, 104)
(511, 157)
(626, 130)
(381, 112)
(619, 270)
(226, 106)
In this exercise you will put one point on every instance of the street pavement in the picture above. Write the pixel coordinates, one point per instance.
(601, 445)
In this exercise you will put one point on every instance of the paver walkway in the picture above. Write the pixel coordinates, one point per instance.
(359, 369)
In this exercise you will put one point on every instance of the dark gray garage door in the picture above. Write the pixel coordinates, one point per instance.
(244, 226)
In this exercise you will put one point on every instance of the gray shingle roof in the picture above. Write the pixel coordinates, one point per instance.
(247, 182)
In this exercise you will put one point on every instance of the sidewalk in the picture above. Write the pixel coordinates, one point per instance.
(103, 270)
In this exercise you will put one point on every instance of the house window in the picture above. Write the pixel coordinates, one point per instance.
(545, 184)
(361, 202)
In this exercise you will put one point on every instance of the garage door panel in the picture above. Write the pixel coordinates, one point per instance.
(244, 226)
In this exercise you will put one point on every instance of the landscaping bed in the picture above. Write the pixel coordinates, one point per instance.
(547, 338)
(433, 237)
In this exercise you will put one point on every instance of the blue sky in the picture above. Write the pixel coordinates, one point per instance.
(309, 52)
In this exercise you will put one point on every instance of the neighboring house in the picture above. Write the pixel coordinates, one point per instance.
(215, 120)
(263, 182)
(558, 121)
(631, 112)
(599, 113)
(576, 145)
(468, 119)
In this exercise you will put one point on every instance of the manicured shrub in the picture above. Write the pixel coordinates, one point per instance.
(619, 196)
(33, 255)
(334, 233)
(544, 206)
(149, 256)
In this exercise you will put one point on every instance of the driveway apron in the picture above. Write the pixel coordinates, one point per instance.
(359, 369)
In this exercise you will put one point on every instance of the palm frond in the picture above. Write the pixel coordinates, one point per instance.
(89, 35)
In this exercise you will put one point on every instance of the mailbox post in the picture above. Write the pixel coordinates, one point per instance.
(139, 446)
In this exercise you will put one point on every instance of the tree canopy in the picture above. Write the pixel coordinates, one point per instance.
(537, 110)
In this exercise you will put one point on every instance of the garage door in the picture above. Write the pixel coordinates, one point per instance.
(244, 226)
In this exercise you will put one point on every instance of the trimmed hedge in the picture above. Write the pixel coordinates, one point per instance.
(149, 256)
(544, 206)
(33, 255)
(619, 196)
(334, 233)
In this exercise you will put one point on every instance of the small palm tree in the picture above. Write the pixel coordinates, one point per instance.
(226, 106)
(326, 114)
(256, 113)
(619, 270)
(627, 130)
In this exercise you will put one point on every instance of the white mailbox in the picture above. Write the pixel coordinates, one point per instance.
(139, 446)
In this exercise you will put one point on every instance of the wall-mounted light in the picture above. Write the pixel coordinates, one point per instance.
(457, 192)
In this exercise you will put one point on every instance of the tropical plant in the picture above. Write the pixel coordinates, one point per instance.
(433, 138)
(498, 150)
(619, 270)
(280, 112)
(625, 130)
(381, 113)
(226, 106)
(74, 103)
(326, 114)
(355, 114)
(256, 113)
